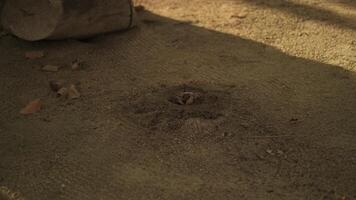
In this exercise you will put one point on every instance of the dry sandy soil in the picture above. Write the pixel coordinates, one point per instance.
(274, 115)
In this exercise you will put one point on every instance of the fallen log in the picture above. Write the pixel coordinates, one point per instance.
(58, 19)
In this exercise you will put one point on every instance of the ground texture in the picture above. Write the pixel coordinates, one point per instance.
(228, 99)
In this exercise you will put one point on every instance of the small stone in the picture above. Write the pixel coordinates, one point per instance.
(32, 107)
(50, 68)
(73, 93)
(34, 54)
(242, 14)
(56, 85)
(269, 151)
(63, 92)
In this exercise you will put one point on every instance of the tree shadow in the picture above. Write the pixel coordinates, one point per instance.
(312, 103)
(308, 12)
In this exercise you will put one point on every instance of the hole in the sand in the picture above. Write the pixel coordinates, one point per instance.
(169, 108)
(186, 98)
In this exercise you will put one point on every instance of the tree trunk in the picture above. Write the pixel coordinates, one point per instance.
(57, 19)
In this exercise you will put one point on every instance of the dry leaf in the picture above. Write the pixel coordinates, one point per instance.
(73, 93)
(32, 107)
(34, 54)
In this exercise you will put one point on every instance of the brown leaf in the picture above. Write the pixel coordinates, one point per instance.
(32, 107)
(34, 54)
(73, 93)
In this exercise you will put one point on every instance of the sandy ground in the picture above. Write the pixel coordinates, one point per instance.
(273, 114)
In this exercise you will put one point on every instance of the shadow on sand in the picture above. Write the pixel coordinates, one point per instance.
(297, 141)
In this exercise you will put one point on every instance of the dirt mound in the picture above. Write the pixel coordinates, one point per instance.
(193, 107)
